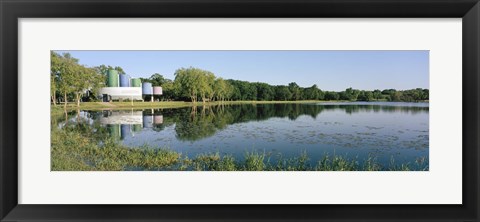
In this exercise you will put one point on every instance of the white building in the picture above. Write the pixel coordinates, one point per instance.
(121, 93)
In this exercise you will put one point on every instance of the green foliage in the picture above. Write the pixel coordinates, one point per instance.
(282, 93)
(313, 93)
(350, 94)
(187, 82)
(254, 161)
(68, 78)
(295, 90)
(332, 95)
(74, 150)
(265, 92)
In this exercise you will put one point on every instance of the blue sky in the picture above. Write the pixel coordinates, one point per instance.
(330, 70)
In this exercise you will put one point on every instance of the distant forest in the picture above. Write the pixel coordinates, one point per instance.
(193, 84)
(71, 80)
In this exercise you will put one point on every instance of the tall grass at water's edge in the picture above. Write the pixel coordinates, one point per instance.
(74, 151)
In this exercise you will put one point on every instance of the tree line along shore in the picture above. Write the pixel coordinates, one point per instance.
(74, 82)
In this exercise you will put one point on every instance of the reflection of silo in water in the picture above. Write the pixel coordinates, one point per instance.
(125, 130)
(114, 131)
(106, 113)
(137, 127)
(147, 121)
(158, 119)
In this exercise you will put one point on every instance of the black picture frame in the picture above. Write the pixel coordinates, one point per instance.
(12, 10)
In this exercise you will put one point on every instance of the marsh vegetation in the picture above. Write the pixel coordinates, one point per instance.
(251, 137)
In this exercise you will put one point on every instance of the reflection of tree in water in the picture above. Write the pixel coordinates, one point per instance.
(201, 122)
(377, 108)
(82, 122)
(195, 126)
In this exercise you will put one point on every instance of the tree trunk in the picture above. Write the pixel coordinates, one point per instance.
(66, 117)
(54, 99)
(78, 99)
(65, 102)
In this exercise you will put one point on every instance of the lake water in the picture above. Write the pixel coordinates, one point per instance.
(378, 129)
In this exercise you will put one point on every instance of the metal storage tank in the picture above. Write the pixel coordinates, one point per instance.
(147, 88)
(136, 83)
(112, 76)
(124, 80)
(157, 90)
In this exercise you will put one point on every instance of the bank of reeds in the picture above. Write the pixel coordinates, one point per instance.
(74, 151)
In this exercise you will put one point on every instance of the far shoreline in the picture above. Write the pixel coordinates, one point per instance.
(182, 104)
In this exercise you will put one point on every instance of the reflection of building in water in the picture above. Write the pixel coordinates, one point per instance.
(151, 118)
(158, 119)
(114, 131)
(124, 130)
(122, 123)
(147, 121)
(121, 117)
(137, 128)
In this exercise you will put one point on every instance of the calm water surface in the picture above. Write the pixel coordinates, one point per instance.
(379, 129)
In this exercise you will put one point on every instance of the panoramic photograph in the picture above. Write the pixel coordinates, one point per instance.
(239, 110)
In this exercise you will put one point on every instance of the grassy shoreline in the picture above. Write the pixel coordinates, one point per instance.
(72, 150)
(169, 104)
(176, 104)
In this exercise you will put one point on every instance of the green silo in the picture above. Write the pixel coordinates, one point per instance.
(112, 78)
(136, 83)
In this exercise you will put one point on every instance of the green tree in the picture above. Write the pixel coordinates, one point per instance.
(185, 82)
(119, 70)
(193, 83)
(330, 95)
(282, 93)
(312, 93)
(87, 80)
(55, 70)
(67, 78)
(265, 91)
(157, 79)
(365, 96)
(377, 94)
(349, 94)
(73, 78)
(425, 94)
(206, 81)
(220, 88)
(295, 90)
(169, 91)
